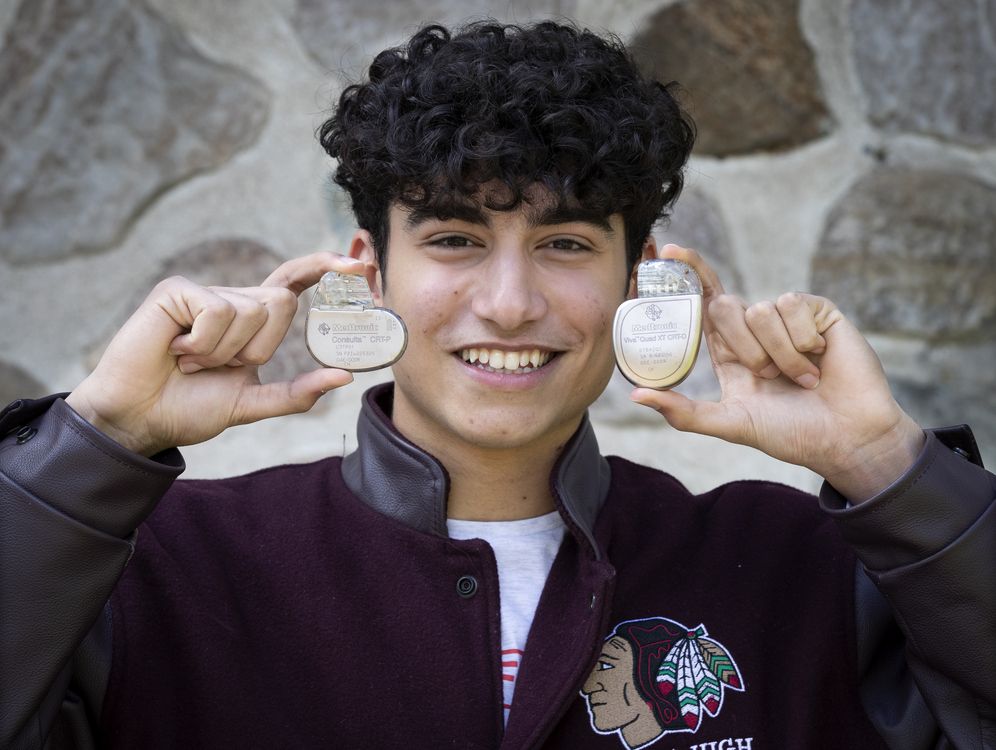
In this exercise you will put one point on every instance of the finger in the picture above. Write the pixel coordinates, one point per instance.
(204, 314)
(280, 305)
(766, 324)
(300, 273)
(727, 315)
(800, 322)
(730, 372)
(288, 397)
(711, 285)
(248, 317)
(689, 415)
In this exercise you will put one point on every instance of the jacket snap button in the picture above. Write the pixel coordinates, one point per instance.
(467, 586)
(24, 434)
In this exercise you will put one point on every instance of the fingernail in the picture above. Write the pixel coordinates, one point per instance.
(808, 380)
(189, 368)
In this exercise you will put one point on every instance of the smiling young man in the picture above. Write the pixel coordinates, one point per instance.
(512, 312)
(476, 574)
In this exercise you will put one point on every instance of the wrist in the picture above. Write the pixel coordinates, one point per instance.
(876, 465)
(79, 403)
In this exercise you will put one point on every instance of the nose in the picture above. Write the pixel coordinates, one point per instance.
(508, 292)
(592, 685)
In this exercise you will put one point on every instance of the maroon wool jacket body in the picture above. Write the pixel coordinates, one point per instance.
(323, 605)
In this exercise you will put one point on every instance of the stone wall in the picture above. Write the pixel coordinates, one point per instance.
(846, 146)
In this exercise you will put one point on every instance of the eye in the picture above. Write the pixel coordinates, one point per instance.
(603, 665)
(453, 240)
(563, 243)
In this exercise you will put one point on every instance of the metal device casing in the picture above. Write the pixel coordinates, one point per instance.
(346, 331)
(656, 338)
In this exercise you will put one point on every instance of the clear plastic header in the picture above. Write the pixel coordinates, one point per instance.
(664, 277)
(342, 291)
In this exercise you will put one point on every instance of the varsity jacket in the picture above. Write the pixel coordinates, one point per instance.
(323, 605)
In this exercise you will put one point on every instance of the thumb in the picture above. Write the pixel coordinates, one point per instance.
(258, 401)
(689, 415)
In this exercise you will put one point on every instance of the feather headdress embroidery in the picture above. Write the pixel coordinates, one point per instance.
(698, 667)
(678, 672)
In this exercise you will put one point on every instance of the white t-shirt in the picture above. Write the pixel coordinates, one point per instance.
(524, 551)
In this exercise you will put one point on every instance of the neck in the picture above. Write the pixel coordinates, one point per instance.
(487, 483)
(497, 486)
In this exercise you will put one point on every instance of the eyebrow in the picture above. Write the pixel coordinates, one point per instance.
(462, 211)
(561, 214)
(473, 214)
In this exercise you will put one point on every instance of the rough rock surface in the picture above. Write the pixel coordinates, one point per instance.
(697, 223)
(928, 67)
(943, 405)
(15, 382)
(232, 262)
(342, 35)
(912, 253)
(104, 106)
(750, 73)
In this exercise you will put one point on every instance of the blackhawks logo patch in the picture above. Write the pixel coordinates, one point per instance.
(655, 677)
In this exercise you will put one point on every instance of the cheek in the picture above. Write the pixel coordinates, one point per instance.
(426, 308)
(593, 312)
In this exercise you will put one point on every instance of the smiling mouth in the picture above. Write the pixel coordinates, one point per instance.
(509, 363)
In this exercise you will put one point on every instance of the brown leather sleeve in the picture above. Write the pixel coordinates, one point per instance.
(926, 597)
(70, 499)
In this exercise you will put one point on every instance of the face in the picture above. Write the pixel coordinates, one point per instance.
(509, 317)
(612, 698)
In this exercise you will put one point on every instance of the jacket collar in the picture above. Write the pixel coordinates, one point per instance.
(400, 480)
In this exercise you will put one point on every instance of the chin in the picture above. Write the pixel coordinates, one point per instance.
(513, 432)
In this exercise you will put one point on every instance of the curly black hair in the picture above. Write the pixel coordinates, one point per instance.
(547, 104)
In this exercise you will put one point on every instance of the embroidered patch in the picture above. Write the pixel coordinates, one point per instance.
(655, 677)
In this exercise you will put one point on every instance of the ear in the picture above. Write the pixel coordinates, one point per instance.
(649, 253)
(361, 248)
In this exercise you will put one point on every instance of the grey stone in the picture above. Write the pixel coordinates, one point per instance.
(696, 223)
(749, 72)
(913, 253)
(943, 405)
(928, 67)
(229, 262)
(342, 35)
(105, 106)
(16, 382)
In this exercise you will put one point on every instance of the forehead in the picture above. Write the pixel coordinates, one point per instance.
(616, 645)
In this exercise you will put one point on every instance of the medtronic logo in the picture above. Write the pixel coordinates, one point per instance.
(653, 312)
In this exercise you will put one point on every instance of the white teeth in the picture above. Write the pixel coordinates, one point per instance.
(494, 360)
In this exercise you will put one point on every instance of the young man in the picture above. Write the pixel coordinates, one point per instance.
(476, 574)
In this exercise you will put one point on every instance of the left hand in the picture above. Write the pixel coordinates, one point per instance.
(799, 382)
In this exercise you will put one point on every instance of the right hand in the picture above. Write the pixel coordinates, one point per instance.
(183, 368)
